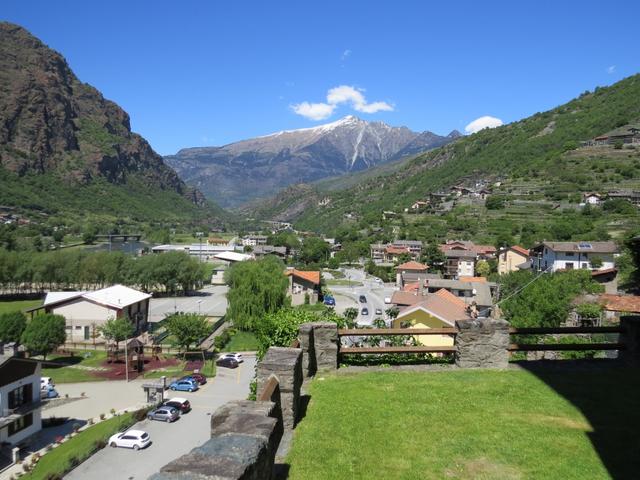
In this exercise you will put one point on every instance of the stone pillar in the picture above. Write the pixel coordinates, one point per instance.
(286, 365)
(325, 345)
(482, 343)
(631, 339)
(305, 335)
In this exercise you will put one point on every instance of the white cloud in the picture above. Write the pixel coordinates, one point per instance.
(343, 94)
(313, 111)
(482, 123)
(346, 54)
(611, 69)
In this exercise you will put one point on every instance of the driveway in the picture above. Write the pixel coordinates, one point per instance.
(210, 301)
(170, 440)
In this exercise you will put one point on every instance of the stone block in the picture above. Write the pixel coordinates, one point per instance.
(482, 343)
(325, 345)
(286, 365)
(305, 336)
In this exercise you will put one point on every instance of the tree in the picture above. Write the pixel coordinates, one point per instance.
(314, 250)
(44, 333)
(12, 325)
(188, 328)
(279, 329)
(117, 330)
(483, 269)
(392, 312)
(256, 288)
(350, 315)
(433, 257)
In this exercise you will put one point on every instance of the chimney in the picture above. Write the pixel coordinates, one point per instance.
(420, 287)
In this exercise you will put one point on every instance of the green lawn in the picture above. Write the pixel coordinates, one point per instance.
(242, 342)
(470, 425)
(17, 305)
(66, 373)
(81, 447)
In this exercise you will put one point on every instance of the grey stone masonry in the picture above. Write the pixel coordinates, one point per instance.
(325, 345)
(631, 339)
(305, 336)
(482, 343)
(244, 440)
(286, 365)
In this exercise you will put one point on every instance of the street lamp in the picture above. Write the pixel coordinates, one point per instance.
(199, 302)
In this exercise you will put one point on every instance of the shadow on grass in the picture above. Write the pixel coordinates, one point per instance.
(59, 362)
(608, 395)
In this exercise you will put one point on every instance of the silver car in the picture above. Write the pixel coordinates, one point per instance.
(165, 414)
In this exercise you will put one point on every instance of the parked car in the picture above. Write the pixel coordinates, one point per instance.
(164, 414)
(236, 356)
(48, 392)
(46, 382)
(364, 311)
(387, 299)
(179, 403)
(199, 378)
(135, 439)
(184, 385)
(363, 299)
(228, 362)
(378, 311)
(329, 301)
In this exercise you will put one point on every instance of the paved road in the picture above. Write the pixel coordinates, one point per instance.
(170, 440)
(211, 301)
(374, 291)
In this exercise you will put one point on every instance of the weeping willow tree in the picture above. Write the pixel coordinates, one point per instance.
(256, 288)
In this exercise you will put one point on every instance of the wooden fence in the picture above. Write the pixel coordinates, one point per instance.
(532, 347)
(406, 349)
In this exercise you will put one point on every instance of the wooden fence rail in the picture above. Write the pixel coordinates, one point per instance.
(359, 332)
(533, 347)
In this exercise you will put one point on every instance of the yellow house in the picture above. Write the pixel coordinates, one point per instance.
(509, 259)
(439, 310)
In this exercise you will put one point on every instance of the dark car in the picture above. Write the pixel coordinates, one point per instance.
(227, 362)
(180, 404)
(198, 377)
(363, 299)
(364, 311)
(329, 301)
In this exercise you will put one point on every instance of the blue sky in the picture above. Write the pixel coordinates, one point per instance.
(194, 73)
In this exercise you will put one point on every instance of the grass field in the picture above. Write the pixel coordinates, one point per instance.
(242, 342)
(79, 447)
(17, 305)
(66, 373)
(470, 425)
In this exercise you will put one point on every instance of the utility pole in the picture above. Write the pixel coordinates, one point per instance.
(199, 235)
(126, 361)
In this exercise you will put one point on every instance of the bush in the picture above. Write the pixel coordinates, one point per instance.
(99, 444)
(140, 415)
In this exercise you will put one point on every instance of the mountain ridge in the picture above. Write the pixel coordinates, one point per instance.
(242, 171)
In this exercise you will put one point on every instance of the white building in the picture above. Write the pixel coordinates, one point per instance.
(85, 312)
(553, 256)
(592, 198)
(460, 263)
(19, 399)
(253, 240)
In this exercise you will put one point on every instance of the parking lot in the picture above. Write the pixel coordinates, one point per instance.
(210, 301)
(170, 440)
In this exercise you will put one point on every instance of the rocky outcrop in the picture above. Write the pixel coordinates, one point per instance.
(51, 122)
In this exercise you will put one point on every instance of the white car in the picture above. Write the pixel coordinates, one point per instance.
(236, 356)
(46, 382)
(135, 439)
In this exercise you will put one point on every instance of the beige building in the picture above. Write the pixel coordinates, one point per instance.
(511, 258)
(85, 312)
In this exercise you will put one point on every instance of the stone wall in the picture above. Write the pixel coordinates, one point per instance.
(244, 439)
(482, 343)
(325, 345)
(286, 365)
(305, 336)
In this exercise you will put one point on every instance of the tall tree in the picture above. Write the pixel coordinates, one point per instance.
(44, 333)
(117, 330)
(12, 325)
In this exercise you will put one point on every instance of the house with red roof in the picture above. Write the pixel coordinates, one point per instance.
(302, 284)
(512, 259)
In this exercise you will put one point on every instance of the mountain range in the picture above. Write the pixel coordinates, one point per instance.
(64, 147)
(258, 167)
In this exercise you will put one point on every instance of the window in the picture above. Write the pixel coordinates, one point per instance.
(21, 424)
(78, 327)
(569, 265)
(21, 395)
(87, 333)
(569, 254)
(585, 265)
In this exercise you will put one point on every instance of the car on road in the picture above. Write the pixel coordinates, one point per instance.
(329, 301)
(228, 362)
(164, 414)
(184, 385)
(378, 311)
(46, 382)
(387, 299)
(48, 392)
(238, 357)
(179, 403)
(199, 378)
(364, 311)
(363, 299)
(135, 439)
